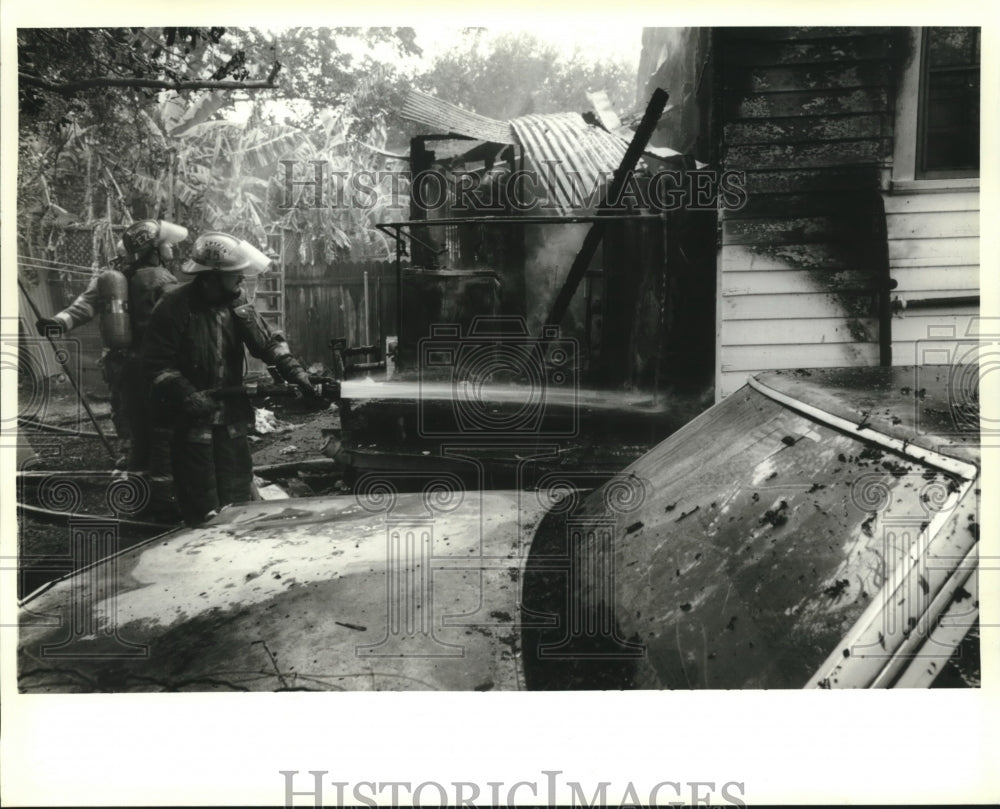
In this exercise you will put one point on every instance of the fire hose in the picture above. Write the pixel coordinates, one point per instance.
(66, 516)
(65, 366)
(44, 427)
(326, 388)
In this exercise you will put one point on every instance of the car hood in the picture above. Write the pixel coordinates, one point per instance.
(381, 591)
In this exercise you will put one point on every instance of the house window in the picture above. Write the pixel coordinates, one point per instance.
(948, 144)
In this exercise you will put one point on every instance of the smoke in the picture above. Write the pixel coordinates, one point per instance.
(550, 252)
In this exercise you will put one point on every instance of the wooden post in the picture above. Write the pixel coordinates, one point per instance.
(657, 103)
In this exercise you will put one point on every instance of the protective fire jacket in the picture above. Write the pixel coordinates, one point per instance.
(193, 346)
(145, 287)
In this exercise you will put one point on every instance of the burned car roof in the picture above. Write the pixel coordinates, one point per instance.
(768, 549)
(806, 531)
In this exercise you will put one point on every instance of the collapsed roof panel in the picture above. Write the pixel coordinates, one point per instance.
(447, 117)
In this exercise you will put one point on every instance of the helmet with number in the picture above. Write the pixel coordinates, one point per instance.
(221, 252)
(146, 234)
(141, 236)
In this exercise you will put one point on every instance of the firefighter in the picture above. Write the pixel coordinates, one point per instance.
(124, 296)
(194, 344)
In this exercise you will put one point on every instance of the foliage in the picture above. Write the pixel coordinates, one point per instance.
(102, 156)
(519, 74)
(212, 159)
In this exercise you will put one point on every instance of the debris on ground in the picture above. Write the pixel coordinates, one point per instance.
(298, 488)
(332, 447)
(269, 491)
(291, 448)
(265, 422)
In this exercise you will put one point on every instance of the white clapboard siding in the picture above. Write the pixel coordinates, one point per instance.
(921, 352)
(897, 203)
(745, 361)
(731, 381)
(959, 279)
(957, 250)
(798, 331)
(791, 306)
(933, 253)
(938, 325)
(935, 232)
(783, 307)
(826, 355)
(932, 225)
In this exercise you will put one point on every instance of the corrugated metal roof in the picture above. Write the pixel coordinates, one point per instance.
(446, 117)
(573, 157)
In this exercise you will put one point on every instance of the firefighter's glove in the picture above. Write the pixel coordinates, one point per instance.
(307, 388)
(199, 405)
(50, 325)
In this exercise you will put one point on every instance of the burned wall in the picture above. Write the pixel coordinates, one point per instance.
(806, 114)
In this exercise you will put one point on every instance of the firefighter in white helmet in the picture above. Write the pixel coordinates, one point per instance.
(124, 296)
(194, 344)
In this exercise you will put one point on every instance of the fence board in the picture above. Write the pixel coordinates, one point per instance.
(323, 302)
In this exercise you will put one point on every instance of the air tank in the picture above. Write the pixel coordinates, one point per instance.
(116, 325)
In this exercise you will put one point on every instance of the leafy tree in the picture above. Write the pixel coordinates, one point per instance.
(192, 124)
(519, 73)
(103, 141)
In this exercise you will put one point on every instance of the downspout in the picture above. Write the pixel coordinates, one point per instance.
(883, 281)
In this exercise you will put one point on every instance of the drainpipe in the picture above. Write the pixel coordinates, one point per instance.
(883, 280)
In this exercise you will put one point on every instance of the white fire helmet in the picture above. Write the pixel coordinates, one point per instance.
(222, 252)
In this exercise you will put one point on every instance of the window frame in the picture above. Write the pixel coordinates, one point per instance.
(903, 178)
(924, 68)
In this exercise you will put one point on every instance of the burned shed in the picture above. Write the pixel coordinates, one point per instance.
(514, 201)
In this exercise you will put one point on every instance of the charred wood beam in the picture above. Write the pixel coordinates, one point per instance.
(657, 103)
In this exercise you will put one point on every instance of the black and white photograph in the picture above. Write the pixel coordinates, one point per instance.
(500, 359)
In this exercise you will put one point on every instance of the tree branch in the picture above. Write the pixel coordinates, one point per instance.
(68, 88)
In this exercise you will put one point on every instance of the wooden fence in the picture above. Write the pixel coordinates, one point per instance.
(354, 300)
